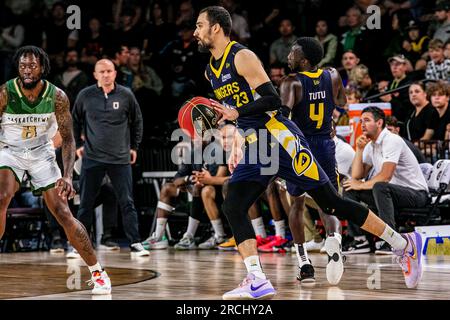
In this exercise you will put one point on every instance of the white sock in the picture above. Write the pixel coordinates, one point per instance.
(394, 238)
(95, 267)
(258, 226)
(302, 254)
(218, 227)
(192, 226)
(160, 227)
(253, 265)
(280, 228)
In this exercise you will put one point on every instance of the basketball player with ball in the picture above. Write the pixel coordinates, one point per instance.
(248, 97)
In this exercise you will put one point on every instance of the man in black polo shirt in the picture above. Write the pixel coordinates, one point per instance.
(108, 129)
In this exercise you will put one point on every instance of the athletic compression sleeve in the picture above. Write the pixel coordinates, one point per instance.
(269, 101)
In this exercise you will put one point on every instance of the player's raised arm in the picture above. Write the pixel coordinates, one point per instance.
(64, 119)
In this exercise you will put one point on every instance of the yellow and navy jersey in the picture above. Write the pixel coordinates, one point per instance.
(313, 115)
(231, 89)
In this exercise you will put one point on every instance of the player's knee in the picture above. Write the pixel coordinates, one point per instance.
(208, 193)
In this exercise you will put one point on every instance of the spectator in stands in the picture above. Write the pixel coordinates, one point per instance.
(439, 94)
(182, 60)
(393, 126)
(186, 13)
(280, 48)
(341, 114)
(58, 37)
(349, 61)
(276, 74)
(329, 42)
(442, 14)
(93, 43)
(119, 56)
(415, 46)
(394, 183)
(129, 34)
(12, 34)
(423, 120)
(158, 32)
(239, 28)
(147, 87)
(382, 86)
(447, 50)
(361, 79)
(143, 77)
(72, 80)
(438, 68)
(193, 178)
(351, 39)
(401, 107)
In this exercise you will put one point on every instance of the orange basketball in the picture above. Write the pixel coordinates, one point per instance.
(196, 116)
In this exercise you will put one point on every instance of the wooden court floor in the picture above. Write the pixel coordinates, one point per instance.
(186, 275)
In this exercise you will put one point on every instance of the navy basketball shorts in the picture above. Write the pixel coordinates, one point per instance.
(324, 152)
(288, 153)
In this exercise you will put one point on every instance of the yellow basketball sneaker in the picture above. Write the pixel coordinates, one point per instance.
(228, 245)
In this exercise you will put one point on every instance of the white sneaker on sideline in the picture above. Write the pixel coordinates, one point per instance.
(137, 249)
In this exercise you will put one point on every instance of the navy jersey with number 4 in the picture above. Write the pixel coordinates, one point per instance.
(232, 89)
(313, 115)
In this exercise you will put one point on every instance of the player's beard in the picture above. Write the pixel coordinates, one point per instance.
(30, 85)
(203, 46)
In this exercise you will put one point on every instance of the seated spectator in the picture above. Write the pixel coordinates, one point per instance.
(12, 35)
(93, 43)
(395, 182)
(422, 122)
(442, 14)
(361, 79)
(202, 182)
(382, 86)
(280, 48)
(158, 31)
(239, 27)
(276, 74)
(72, 79)
(185, 14)
(340, 115)
(438, 68)
(439, 94)
(447, 50)
(352, 38)
(57, 37)
(415, 45)
(119, 55)
(129, 33)
(394, 127)
(143, 77)
(329, 42)
(401, 107)
(349, 61)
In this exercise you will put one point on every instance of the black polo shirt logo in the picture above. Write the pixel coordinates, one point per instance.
(116, 105)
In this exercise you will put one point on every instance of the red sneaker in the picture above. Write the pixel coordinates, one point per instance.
(277, 241)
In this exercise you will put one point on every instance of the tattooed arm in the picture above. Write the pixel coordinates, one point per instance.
(64, 119)
(3, 98)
